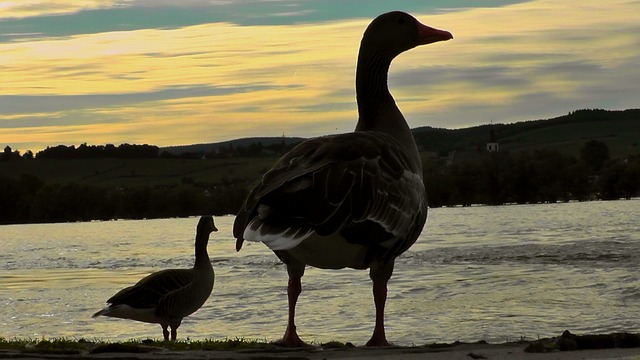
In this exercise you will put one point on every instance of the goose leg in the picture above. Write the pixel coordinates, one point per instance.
(378, 338)
(291, 338)
(165, 332)
(380, 273)
(174, 324)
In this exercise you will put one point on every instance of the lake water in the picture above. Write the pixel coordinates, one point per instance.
(490, 273)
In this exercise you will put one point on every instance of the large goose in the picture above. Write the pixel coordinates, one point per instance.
(352, 200)
(166, 297)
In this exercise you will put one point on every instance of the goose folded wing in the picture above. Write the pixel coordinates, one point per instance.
(362, 186)
(148, 291)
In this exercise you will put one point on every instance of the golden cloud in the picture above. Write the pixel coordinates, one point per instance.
(300, 77)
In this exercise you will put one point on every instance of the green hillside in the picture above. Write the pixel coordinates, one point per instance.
(620, 130)
(568, 134)
(205, 148)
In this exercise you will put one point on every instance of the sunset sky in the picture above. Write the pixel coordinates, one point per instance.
(174, 72)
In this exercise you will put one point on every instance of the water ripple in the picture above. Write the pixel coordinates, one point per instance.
(492, 273)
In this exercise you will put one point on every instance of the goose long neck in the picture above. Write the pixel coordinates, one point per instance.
(202, 256)
(372, 91)
(377, 110)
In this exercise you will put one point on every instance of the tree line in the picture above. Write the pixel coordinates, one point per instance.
(29, 199)
(492, 179)
(256, 149)
(133, 151)
(84, 151)
(539, 176)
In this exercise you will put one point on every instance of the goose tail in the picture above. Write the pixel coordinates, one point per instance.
(100, 313)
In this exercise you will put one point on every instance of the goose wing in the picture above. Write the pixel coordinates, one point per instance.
(149, 291)
(361, 186)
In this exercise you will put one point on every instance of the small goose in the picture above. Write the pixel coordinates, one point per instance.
(166, 297)
(353, 200)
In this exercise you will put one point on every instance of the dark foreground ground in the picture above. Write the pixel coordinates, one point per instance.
(565, 347)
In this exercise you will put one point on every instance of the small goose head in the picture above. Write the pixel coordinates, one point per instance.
(203, 230)
(206, 225)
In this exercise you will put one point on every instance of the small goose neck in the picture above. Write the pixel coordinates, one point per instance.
(202, 256)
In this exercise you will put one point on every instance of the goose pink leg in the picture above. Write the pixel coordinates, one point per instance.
(291, 338)
(378, 338)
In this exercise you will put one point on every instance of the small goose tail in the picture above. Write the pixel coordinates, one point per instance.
(99, 313)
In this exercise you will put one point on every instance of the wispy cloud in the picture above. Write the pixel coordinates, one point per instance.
(31, 8)
(29, 104)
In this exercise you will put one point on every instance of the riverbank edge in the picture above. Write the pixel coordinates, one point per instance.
(566, 346)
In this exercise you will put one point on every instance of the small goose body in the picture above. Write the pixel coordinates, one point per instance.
(166, 297)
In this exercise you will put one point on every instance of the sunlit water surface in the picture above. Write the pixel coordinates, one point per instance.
(491, 273)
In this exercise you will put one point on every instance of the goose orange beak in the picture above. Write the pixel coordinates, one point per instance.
(428, 35)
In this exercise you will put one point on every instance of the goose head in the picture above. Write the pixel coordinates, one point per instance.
(387, 36)
(395, 32)
(203, 230)
(206, 225)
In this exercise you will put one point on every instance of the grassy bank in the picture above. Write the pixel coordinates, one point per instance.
(63, 346)
(566, 342)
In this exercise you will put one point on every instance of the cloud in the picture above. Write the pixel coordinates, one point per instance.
(489, 76)
(172, 82)
(60, 18)
(31, 8)
(29, 104)
(526, 61)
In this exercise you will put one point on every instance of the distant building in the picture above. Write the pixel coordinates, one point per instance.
(492, 145)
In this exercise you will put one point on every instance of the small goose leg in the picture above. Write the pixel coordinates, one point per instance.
(165, 332)
(174, 333)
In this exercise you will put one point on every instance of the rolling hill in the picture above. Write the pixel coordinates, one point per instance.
(620, 130)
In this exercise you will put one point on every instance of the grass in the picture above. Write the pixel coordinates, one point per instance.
(49, 346)
(64, 346)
